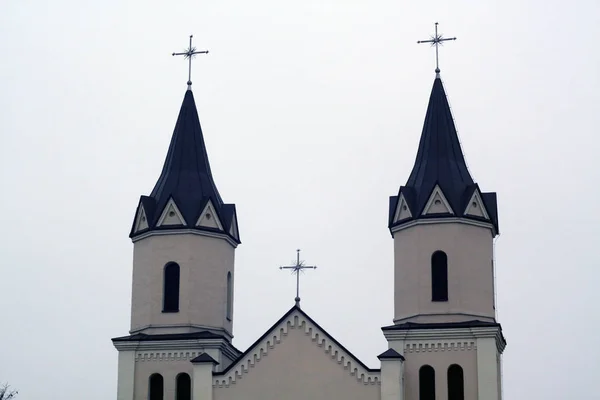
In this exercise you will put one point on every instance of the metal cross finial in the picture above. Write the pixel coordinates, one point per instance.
(189, 53)
(436, 40)
(297, 269)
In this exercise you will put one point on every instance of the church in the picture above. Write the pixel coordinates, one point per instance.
(445, 342)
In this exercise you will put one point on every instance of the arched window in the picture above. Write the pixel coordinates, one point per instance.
(439, 276)
(456, 383)
(184, 387)
(156, 388)
(229, 296)
(426, 383)
(171, 288)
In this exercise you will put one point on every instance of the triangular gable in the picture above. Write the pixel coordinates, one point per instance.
(402, 210)
(171, 216)
(141, 219)
(298, 320)
(437, 203)
(233, 229)
(476, 207)
(209, 218)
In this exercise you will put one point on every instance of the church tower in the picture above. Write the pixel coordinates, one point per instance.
(443, 227)
(184, 240)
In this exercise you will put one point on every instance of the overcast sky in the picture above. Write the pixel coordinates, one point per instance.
(312, 113)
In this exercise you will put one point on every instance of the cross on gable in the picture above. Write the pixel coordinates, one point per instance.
(297, 269)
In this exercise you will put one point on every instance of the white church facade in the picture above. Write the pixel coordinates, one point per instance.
(444, 343)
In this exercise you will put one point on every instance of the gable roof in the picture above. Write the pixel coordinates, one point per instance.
(239, 363)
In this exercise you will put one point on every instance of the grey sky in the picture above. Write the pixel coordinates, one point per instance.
(312, 113)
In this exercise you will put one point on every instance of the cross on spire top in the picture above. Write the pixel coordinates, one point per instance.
(297, 269)
(190, 53)
(437, 40)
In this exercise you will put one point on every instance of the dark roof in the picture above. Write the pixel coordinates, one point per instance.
(440, 325)
(408, 326)
(186, 176)
(440, 161)
(391, 354)
(312, 321)
(169, 336)
(204, 358)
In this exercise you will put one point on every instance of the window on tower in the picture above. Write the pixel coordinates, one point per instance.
(156, 387)
(426, 383)
(456, 383)
(184, 387)
(439, 276)
(229, 296)
(171, 288)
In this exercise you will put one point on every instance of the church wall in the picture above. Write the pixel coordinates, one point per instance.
(297, 369)
(204, 263)
(470, 278)
(440, 361)
(169, 371)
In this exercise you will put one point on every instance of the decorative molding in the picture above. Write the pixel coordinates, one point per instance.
(167, 356)
(186, 231)
(444, 220)
(439, 346)
(320, 338)
(448, 335)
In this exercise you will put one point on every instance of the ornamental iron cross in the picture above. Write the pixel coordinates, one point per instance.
(297, 269)
(436, 40)
(190, 53)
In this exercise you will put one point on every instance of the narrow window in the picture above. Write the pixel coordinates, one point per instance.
(426, 383)
(229, 296)
(171, 288)
(439, 276)
(456, 383)
(156, 387)
(184, 387)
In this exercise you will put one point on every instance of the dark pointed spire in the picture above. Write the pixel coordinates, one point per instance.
(439, 158)
(186, 178)
(439, 162)
(186, 174)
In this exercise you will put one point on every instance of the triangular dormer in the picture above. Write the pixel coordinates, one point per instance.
(476, 207)
(233, 229)
(171, 216)
(209, 218)
(141, 220)
(437, 203)
(402, 210)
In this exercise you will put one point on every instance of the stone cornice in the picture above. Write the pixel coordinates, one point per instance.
(174, 345)
(443, 220)
(445, 334)
(193, 231)
(296, 320)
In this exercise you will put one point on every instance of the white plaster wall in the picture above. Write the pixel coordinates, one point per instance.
(169, 371)
(440, 360)
(204, 263)
(297, 369)
(470, 279)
